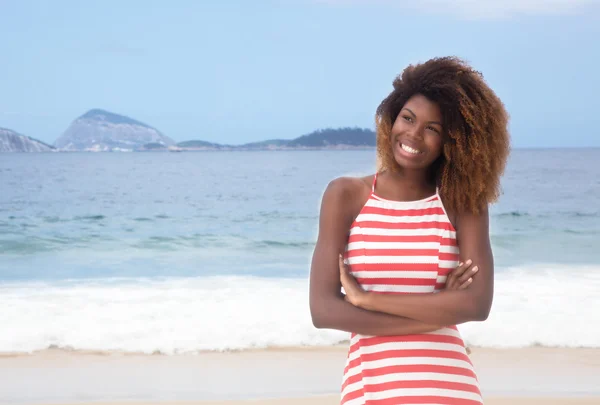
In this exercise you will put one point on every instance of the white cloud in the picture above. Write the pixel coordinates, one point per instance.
(483, 9)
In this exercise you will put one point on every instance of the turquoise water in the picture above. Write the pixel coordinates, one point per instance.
(73, 223)
(214, 213)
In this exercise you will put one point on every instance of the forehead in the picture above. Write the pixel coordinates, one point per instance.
(419, 104)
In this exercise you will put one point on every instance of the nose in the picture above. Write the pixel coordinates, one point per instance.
(416, 132)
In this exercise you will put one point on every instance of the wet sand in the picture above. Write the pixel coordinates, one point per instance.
(274, 377)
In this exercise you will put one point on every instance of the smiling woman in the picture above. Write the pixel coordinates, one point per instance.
(411, 149)
(410, 244)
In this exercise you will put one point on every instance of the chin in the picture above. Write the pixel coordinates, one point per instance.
(413, 164)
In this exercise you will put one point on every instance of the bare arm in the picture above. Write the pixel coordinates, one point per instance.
(327, 305)
(449, 306)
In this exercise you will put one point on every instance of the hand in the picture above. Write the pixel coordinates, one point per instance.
(355, 295)
(462, 276)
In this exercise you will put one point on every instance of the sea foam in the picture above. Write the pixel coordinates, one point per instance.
(542, 305)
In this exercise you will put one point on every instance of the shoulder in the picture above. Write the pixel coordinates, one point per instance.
(459, 216)
(347, 194)
(452, 215)
(473, 222)
(349, 186)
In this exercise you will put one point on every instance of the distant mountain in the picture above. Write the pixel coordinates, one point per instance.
(11, 141)
(200, 145)
(268, 144)
(334, 138)
(103, 131)
(152, 146)
(341, 138)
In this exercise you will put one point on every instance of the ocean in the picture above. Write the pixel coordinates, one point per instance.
(185, 252)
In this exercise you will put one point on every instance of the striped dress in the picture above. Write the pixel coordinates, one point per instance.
(398, 247)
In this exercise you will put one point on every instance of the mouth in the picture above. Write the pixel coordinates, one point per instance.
(409, 149)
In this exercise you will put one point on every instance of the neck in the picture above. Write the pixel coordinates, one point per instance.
(414, 179)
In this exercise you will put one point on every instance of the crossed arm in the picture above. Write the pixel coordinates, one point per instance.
(448, 307)
(381, 314)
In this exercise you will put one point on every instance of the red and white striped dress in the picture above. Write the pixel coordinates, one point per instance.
(399, 247)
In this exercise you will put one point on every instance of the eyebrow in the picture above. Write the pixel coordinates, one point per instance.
(415, 115)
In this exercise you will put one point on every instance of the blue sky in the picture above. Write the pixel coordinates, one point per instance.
(240, 71)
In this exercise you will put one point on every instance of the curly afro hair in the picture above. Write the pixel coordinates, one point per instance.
(476, 139)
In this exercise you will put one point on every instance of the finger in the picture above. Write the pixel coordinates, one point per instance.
(466, 284)
(344, 275)
(454, 274)
(462, 267)
(458, 271)
(467, 275)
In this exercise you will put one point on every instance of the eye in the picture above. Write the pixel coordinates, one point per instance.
(407, 118)
(434, 129)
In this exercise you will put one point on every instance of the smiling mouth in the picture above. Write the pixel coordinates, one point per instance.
(410, 150)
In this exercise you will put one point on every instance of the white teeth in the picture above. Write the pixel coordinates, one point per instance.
(410, 150)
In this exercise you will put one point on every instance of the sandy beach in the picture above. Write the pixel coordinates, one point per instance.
(274, 377)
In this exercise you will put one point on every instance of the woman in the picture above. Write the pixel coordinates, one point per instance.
(415, 238)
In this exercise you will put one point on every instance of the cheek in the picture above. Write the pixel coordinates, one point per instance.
(435, 144)
(398, 126)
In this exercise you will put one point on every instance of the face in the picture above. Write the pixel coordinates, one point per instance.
(417, 133)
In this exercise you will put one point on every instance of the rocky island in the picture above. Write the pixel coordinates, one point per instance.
(338, 138)
(11, 141)
(103, 131)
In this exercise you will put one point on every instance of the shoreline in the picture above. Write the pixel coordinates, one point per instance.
(342, 346)
(334, 400)
(57, 351)
(273, 376)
